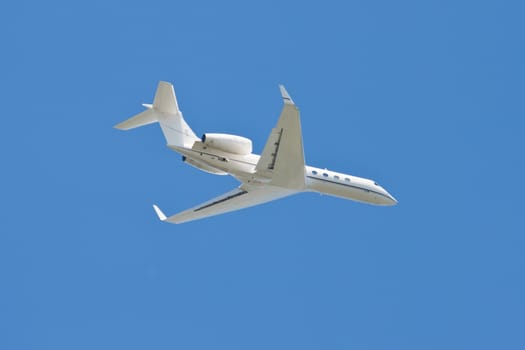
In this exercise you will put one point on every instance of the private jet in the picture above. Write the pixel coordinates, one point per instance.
(280, 170)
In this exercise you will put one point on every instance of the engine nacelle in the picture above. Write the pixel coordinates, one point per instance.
(228, 143)
(202, 166)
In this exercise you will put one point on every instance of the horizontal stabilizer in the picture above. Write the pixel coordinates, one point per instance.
(147, 117)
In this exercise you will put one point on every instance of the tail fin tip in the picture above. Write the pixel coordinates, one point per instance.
(165, 100)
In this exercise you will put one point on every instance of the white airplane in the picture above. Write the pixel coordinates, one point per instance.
(278, 172)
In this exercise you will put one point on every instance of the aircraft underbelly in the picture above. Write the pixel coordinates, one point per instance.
(341, 190)
(236, 165)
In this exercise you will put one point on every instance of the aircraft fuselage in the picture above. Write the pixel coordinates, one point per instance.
(319, 180)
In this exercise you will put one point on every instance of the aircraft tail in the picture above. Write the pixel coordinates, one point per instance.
(165, 111)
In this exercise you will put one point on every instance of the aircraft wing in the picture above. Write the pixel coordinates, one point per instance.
(239, 198)
(282, 159)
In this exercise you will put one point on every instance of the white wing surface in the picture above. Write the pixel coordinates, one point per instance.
(239, 198)
(282, 159)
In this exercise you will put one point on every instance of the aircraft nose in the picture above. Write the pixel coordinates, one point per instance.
(390, 200)
(394, 201)
(382, 197)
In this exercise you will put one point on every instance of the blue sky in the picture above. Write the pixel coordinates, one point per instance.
(424, 97)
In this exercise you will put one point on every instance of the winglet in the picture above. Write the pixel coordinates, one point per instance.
(285, 95)
(159, 212)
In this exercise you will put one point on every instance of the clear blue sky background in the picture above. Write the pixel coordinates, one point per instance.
(425, 97)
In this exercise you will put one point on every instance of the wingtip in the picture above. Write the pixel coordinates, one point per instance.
(285, 95)
(159, 212)
(122, 126)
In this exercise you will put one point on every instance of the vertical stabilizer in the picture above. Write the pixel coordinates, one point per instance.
(165, 111)
(165, 100)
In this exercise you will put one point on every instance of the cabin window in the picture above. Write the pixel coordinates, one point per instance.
(347, 179)
(325, 174)
(336, 177)
(314, 172)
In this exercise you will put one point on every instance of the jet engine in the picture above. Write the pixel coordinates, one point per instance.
(228, 143)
